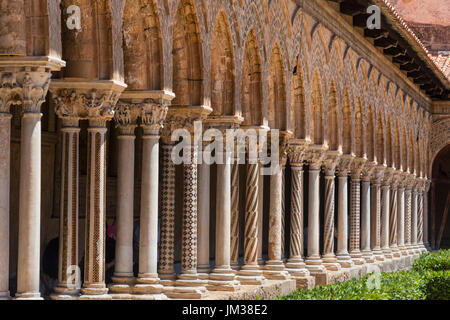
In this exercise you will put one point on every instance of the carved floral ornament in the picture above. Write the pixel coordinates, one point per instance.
(95, 104)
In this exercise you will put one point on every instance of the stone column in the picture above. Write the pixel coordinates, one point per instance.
(401, 215)
(250, 272)
(393, 216)
(420, 214)
(283, 213)
(329, 258)
(408, 189)
(204, 188)
(295, 265)
(152, 114)
(166, 269)
(68, 277)
(34, 89)
(8, 96)
(98, 104)
(314, 261)
(425, 215)
(343, 256)
(126, 121)
(234, 237)
(375, 216)
(355, 211)
(414, 209)
(260, 217)
(385, 208)
(274, 268)
(366, 251)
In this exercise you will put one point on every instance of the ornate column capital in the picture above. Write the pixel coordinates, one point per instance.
(10, 92)
(357, 167)
(345, 165)
(409, 181)
(388, 177)
(331, 162)
(297, 152)
(315, 155)
(368, 171)
(86, 100)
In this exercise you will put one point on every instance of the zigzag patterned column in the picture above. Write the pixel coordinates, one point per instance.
(355, 214)
(408, 190)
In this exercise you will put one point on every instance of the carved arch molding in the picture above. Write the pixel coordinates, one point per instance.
(440, 136)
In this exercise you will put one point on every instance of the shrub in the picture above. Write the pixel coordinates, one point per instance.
(429, 279)
(437, 261)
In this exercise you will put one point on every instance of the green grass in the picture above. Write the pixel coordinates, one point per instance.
(428, 279)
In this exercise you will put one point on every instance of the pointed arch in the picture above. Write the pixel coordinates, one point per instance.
(332, 119)
(347, 124)
(380, 147)
(316, 110)
(298, 102)
(186, 52)
(251, 82)
(222, 68)
(142, 46)
(276, 112)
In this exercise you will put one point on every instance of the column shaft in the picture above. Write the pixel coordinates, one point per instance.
(376, 220)
(401, 218)
(355, 217)
(365, 220)
(204, 188)
(342, 248)
(385, 201)
(234, 216)
(28, 265)
(393, 221)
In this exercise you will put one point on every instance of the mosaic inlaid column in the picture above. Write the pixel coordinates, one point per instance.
(343, 256)
(94, 267)
(414, 209)
(355, 211)
(375, 215)
(420, 214)
(366, 251)
(204, 188)
(329, 258)
(274, 268)
(166, 269)
(393, 216)
(148, 284)
(408, 198)
(401, 215)
(234, 237)
(385, 209)
(313, 260)
(125, 118)
(222, 276)
(250, 272)
(295, 264)
(34, 89)
(8, 97)
(68, 283)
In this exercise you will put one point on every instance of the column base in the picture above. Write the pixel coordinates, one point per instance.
(203, 272)
(250, 275)
(121, 285)
(222, 279)
(187, 286)
(357, 258)
(396, 252)
(28, 296)
(149, 288)
(235, 266)
(345, 260)
(330, 262)
(314, 265)
(387, 253)
(63, 293)
(297, 267)
(167, 279)
(368, 256)
(5, 295)
(378, 254)
(94, 290)
(275, 270)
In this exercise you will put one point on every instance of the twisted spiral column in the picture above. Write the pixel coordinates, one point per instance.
(420, 224)
(234, 238)
(295, 264)
(408, 208)
(393, 220)
(401, 218)
(414, 209)
(355, 215)
(250, 272)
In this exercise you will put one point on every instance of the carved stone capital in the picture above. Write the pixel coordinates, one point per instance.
(315, 155)
(297, 152)
(357, 167)
(153, 115)
(378, 173)
(90, 100)
(10, 92)
(34, 85)
(330, 162)
(345, 165)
